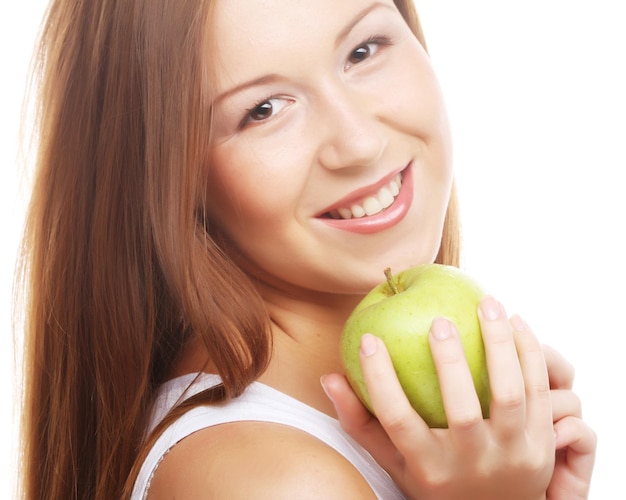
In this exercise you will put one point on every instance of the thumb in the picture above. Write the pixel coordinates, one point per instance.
(358, 422)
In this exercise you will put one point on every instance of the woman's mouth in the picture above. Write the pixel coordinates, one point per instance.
(371, 213)
(370, 205)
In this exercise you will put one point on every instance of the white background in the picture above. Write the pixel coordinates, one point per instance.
(536, 94)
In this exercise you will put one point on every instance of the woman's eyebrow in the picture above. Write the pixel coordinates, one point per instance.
(350, 26)
(270, 78)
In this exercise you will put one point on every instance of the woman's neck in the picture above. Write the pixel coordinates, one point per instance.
(306, 330)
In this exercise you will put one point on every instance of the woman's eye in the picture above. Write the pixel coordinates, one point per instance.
(367, 50)
(363, 52)
(265, 110)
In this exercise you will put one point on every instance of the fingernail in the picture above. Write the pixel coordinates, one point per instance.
(368, 344)
(491, 309)
(557, 444)
(519, 324)
(441, 329)
(324, 387)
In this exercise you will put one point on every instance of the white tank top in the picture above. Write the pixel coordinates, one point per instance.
(259, 403)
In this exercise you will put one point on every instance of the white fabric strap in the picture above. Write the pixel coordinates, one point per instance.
(259, 403)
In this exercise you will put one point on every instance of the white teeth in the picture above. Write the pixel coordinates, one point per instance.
(394, 186)
(372, 204)
(357, 211)
(385, 197)
(345, 213)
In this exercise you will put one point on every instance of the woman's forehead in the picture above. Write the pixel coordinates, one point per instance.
(250, 33)
(312, 14)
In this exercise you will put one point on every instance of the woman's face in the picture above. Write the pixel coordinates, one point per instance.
(330, 158)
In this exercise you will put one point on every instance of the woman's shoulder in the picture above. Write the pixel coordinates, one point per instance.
(264, 436)
(255, 460)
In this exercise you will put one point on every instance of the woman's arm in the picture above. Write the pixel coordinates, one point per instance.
(246, 460)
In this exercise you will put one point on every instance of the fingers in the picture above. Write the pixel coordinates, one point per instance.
(576, 443)
(519, 436)
(520, 388)
(461, 404)
(508, 401)
(349, 408)
(565, 403)
(404, 426)
(536, 381)
(560, 371)
(357, 421)
(572, 432)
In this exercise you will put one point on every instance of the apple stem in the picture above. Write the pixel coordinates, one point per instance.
(392, 285)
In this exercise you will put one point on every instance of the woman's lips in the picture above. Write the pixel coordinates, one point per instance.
(370, 205)
(376, 212)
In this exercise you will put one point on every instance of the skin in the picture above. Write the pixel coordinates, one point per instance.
(315, 122)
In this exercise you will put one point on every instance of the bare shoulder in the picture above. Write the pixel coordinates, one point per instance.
(256, 460)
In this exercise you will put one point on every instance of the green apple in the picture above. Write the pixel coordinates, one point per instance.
(400, 312)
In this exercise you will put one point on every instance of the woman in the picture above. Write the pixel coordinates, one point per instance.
(219, 184)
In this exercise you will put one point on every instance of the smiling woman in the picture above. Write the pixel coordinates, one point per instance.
(218, 185)
(332, 136)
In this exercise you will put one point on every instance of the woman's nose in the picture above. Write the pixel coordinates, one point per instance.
(352, 136)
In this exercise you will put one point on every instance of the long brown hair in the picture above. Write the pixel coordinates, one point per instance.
(118, 268)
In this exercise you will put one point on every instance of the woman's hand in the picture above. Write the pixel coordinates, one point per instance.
(510, 455)
(575, 441)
